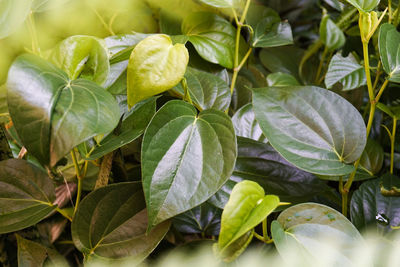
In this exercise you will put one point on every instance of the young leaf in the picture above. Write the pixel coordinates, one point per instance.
(26, 195)
(111, 223)
(246, 125)
(186, 158)
(247, 207)
(12, 15)
(223, 3)
(364, 5)
(206, 90)
(331, 35)
(309, 127)
(155, 66)
(389, 49)
(212, 36)
(271, 32)
(46, 107)
(280, 79)
(84, 57)
(347, 71)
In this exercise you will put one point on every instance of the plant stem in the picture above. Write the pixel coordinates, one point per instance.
(264, 228)
(78, 176)
(390, 10)
(392, 143)
(383, 87)
(367, 71)
(321, 64)
(63, 213)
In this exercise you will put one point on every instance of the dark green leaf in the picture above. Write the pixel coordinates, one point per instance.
(53, 114)
(111, 223)
(246, 125)
(346, 71)
(279, 79)
(271, 32)
(372, 157)
(331, 35)
(206, 90)
(389, 48)
(390, 185)
(309, 127)
(12, 15)
(186, 158)
(26, 195)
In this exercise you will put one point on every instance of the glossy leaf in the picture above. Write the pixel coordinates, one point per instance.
(369, 208)
(331, 35)
(280, 79)
(84, 57)
(204, 219)
(271, 32)
(121, 46)
(260, 163)
(155, 66)
(100, 229)
(389, 49)
(246, 125)
(206, 90)
(212, 36)
(133, 124)
(247, 207)
(372, 157)
(307, 227)
(309, 127)
(12, 15)
(53, 114)
(346, 71)
(186, 158)
(26, 195)
(364, 5)
(223, 3)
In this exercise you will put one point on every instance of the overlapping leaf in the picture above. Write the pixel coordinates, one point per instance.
(279, 79)
(331, 35)
(389, 49)
(246, 125)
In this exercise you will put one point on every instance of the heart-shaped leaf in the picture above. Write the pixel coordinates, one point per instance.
(309, 127)
(389, 49)
(247, 207)
(46, 107)
(271, 32)
(186, 158)
(212, 36)
(206, 90)
(246, 125)
(223, 3)
(280, 79)
(84, 57)
(100, 229)
(346, 71)
(26, 195)
(364, 5)
(331, 35)
(155, 66)
(12, 14)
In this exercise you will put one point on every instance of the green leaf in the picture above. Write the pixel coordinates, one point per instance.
(389, 49)
(369, 208)
(121, 46)
(309, 127)
(386, 109)
(346, 71)
(111, 223)
(271, 32)
(330, 34)
(223, 3)
(133, 124)
(311, 229)
(212, 36)
(236, 248)
(46, 107)
(204, 219)
(84, 57)
(34, 254)
(45, 5)
(364, 5)
(280, 79)
(260, 163)
(26, 195)
(247, 207)
(186, 158)
(372, 157)
(206, 90)
(12, 15)
(246, 125)
(155, 66)
(390, 185)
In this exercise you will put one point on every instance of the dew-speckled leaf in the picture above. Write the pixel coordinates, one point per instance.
(364, 5)
(26, 195)
(53, 114)
(206, 90)
(372, 157)
(346, 71)
(212, 36)
(369, 208)
(12, 15)
(331, 35)
(133, 124)
(100, 229)
(223, 3)
(389, 49)
(155, 66)
(246, 125)
(271, 32)
(186, 158)
(280, 79)
(247, 207)
(309, 127)
(83, 56)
